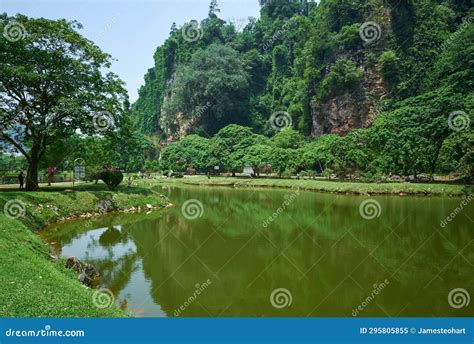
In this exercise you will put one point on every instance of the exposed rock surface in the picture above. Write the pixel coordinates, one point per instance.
(351, 110)
(88, 274)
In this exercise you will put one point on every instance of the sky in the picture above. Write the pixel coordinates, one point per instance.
(130, 30)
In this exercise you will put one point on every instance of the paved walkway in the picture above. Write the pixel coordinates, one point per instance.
(15, 187)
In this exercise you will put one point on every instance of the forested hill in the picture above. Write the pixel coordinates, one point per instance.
(331, 67)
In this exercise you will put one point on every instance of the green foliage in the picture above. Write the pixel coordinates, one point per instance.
(212, 91)
(53, 84)
(389, 66)
(190, 152)
(297, 56)
(288, 138)
(344, 77)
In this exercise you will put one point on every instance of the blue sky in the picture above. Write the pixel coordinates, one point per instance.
(130, 30)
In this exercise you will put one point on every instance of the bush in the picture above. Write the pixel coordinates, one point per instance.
(177, 175)
(111, 177)
(287, 174)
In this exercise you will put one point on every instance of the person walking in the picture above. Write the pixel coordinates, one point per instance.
(21, 179)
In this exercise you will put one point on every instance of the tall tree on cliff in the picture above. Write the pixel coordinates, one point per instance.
(51, 86)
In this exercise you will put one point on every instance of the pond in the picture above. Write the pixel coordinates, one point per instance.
(280, 252)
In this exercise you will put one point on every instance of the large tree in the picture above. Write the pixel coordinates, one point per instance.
(54, 82)
(210, 93)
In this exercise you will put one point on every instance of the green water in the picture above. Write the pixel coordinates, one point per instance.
(317, 256)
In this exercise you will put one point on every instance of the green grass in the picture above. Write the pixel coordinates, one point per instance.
(32, 284)
(331, 186)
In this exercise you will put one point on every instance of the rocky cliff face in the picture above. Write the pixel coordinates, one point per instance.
(351, 110)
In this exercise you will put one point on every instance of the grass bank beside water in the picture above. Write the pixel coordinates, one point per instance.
(34, 284)
(419, 189)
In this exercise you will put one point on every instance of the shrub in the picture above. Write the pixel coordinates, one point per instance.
(287, 174)
(177, 175)
(111, 177)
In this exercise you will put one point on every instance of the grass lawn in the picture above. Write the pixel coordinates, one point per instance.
(331, 186)
(33, 284)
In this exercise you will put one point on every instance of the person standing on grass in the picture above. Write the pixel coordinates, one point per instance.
(21, 179)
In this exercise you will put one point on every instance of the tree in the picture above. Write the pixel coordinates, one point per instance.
(288, 138)
(211, 92)
(190, 152)
(258, 157)
(51, 86)
(228, 146)
(213, 9)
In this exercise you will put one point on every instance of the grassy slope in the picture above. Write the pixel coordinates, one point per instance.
(333, 186)
(31, 283)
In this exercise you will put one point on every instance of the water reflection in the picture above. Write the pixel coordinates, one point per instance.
(319, 248)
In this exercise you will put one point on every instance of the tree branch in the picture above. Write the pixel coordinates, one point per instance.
(17, 145)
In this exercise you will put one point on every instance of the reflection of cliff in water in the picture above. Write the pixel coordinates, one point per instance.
(319, 248)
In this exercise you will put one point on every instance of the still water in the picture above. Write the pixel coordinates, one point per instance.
(266, 252)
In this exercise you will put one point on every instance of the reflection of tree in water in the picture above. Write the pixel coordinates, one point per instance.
(313, 234)
(110, 237)
(316, 232)
(115, 270)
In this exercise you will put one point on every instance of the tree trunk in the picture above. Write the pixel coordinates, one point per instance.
(33, 166)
